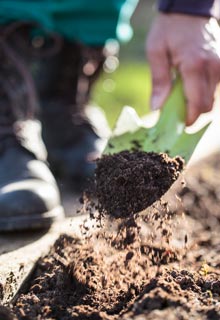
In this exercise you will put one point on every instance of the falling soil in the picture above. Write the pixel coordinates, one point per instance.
(129, 181)
(163, 265)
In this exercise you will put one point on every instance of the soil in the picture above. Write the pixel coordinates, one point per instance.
(163, 265)
(130, 181)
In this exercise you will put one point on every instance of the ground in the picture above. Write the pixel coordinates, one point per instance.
(165, 265)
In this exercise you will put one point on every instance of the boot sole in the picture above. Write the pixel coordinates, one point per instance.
(37, 221)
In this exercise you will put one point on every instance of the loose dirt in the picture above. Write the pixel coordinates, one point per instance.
(162, 265)
(129, 181)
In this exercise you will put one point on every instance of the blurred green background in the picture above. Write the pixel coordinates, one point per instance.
(130, 83)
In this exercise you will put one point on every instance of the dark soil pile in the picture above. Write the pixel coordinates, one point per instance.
(6, 314)
(98, 276)
(130, 181)
(79, 281)
(166, 266)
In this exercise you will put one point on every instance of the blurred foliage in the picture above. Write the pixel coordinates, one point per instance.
(141, 22)
(129, 85)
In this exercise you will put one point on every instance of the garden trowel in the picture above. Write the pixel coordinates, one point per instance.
(139, 163)
(168, 135)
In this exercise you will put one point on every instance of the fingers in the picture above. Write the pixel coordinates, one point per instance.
(161, 75)
(213, 75)
(199, 82)
(192, 46)
(195, 87)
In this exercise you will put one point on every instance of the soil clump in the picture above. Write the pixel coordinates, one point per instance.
(130, 181)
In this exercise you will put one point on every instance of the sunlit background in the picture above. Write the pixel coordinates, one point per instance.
(126, 81)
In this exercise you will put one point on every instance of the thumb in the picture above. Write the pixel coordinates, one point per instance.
(161, 77)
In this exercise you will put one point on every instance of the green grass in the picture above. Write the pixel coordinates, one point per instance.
(129, 85)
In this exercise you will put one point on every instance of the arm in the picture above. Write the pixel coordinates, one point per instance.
(186, 38)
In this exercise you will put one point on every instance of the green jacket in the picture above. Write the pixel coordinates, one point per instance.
(87, 21)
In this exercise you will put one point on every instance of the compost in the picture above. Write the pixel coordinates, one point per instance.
(163, 265)
(129, 181)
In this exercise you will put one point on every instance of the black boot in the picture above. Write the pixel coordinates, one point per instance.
(29, 197)
(64, 80)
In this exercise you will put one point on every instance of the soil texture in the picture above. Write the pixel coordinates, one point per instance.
(130, 181)
(163, 265)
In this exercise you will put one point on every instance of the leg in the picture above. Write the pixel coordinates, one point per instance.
(68, 76)
(29, 197)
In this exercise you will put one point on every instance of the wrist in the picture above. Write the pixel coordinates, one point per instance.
(203, 8)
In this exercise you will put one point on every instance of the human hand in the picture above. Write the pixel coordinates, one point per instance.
(191, 45)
